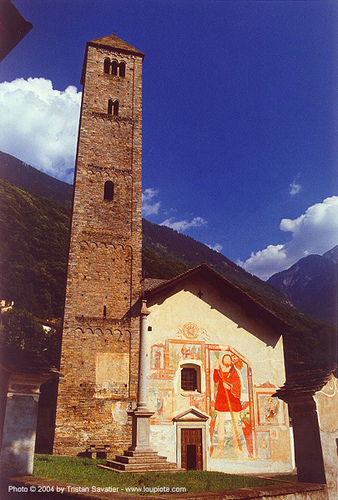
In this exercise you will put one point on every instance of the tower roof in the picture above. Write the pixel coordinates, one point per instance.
(114, 42)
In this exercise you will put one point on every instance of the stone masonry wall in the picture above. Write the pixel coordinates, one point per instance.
(99, 358)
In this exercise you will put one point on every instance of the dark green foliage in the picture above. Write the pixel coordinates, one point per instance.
(33, 251)
(20, 331)
(185, 252)
(310, 344)
(155, 266)
(34, 181)
(33, 260)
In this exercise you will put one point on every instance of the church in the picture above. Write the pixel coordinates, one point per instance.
(214, 355)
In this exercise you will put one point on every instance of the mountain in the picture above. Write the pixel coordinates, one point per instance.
(332, 254)
(311, 285)
(167, 253)
(33, 256)
(24, 176)
(34, 246)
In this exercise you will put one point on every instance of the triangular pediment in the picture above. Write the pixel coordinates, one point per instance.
(191, 415)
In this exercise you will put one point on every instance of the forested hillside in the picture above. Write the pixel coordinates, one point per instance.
(33, 251)
(24, 176)
(167, 253)
(34, 244)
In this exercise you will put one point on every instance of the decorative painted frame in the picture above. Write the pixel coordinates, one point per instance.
(271, 411)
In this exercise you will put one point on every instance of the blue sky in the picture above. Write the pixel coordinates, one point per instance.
(239, 125)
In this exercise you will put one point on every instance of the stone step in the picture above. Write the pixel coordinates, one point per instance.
(132, 459)
(144, 463)
(134, 453)
(141, 468)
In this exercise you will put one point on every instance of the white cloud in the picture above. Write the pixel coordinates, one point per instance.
(182, 225)
(39, 125)
(295, 187)
(217, 247)
(149, 207)
(314, 232)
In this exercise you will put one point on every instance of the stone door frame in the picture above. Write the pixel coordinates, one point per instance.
(192, 419)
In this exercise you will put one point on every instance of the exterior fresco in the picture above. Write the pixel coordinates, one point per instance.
(230, 405)
(246, 428)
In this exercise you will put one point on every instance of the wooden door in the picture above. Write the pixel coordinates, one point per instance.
(191, 449)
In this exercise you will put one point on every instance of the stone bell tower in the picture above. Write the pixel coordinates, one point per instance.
(99, 358)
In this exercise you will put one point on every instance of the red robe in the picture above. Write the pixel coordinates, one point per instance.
(226, 396)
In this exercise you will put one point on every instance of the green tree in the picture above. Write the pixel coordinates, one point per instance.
(21, 331)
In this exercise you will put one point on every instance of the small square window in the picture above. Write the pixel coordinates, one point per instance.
(189, 379)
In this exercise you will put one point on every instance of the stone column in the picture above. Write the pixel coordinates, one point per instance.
(142, 372)
(308, 449)
(141, 416)
(19, 429)
(140, 457)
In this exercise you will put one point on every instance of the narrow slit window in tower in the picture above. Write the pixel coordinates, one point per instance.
(108, 190)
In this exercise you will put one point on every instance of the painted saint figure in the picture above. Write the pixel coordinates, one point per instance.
(158, 359)
(228, 400)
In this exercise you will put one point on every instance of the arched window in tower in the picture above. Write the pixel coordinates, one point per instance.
(116, 107)
(122, 69)
(114, 66)
(106, 65)
(113, 107)
(108, 190)
(110, 107)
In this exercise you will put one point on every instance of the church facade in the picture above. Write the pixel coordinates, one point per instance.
(214, 354)
(215, 360)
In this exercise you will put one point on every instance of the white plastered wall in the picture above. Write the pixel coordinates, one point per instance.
(221, 322)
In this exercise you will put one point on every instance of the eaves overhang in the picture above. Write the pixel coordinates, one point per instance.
(226, 288)
(13, 27)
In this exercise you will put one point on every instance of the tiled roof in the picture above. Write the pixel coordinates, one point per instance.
(152, 283)
(114, 42)
(305, 382)
(224, 285)
(13, 28)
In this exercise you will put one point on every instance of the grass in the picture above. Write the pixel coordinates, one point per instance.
(84, 472)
